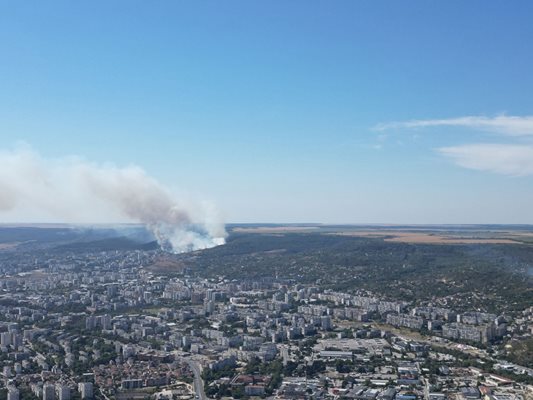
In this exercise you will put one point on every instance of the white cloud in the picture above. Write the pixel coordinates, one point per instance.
(507, 159)
(502, 124)
(513, 158)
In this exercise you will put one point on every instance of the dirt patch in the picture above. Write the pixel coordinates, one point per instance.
(166, 265)
(6, 246)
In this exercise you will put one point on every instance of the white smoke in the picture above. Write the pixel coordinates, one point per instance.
(71, 190)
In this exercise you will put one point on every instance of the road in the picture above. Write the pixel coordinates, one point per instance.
(103, 394)
(198, 381)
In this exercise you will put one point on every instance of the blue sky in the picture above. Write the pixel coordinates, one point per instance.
(286, 111)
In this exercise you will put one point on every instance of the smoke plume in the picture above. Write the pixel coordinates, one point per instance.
(71, 190)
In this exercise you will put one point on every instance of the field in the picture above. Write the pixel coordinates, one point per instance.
(275, 229)
(428, 237)
(407, 234)
(5, 246)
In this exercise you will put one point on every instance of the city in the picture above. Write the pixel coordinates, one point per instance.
(105, 324)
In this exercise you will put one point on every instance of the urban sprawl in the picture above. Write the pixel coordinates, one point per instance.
(104, 326)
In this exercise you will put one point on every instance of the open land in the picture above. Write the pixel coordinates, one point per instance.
(310, 312)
